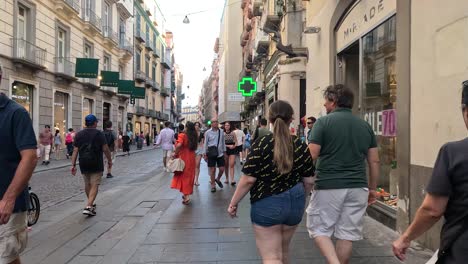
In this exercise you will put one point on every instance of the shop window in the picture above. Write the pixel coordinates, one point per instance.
(137, 128)
(106, 112)
(23, 94)
(379, 97)
(61, 112)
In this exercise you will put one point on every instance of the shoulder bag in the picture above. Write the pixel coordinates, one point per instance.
(212, 152)
(176, 165)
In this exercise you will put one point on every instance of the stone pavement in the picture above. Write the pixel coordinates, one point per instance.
(141, 220)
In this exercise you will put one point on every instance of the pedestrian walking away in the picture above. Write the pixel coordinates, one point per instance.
(231, 152)
(215, 149)
(185, 147)
(45, 144)
(445, 196)
(310, 124)
(247, 144)
(262, 130)
(69, 139)
(57, 144)
(18, 158)
(341, 143)
(89, 146)
(126, 144)
(200, 151)
(111, 140)
(240, 139)
(278, 173)
(166, 140)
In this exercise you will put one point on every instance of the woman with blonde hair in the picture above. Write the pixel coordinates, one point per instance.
(278, 173)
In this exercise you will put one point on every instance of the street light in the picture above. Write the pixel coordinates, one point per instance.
(186, 20)
(312, 30)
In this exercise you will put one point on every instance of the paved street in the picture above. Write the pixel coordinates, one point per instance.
(141, 220)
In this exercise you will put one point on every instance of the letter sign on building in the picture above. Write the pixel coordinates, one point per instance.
(247, 86)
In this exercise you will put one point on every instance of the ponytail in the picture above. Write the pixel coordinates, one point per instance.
(283, 149)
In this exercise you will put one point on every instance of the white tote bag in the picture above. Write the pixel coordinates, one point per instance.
(175, 165)
(434, 258)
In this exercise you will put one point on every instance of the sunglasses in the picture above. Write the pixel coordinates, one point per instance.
(309, 123)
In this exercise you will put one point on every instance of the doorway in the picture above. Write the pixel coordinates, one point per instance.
(106, 108)
(348, 71)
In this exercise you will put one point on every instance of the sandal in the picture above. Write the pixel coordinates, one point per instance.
(186, 202)
(196, 184)
(219, 183)
(213, 189)
(226, 182)
(233, 183)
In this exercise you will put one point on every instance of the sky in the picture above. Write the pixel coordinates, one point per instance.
(193, 42)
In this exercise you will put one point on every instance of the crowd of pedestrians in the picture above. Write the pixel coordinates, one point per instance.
(339, 171)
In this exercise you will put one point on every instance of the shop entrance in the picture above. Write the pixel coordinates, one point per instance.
(348, 71)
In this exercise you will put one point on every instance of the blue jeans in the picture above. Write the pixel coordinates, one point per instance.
(70, 148)
(286, 208)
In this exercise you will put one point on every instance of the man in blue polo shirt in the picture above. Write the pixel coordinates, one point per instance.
(18, 159)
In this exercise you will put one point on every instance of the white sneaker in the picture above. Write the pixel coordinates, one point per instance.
(89, 211)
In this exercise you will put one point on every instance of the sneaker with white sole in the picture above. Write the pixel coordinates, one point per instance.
(89, 211)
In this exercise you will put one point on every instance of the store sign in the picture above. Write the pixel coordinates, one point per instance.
(110, 78)
(383, 122)
(363, 16)
(235, 97)
(126, 87)
(86, 68)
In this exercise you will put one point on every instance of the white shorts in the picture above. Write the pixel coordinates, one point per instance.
(13, 237)
(167, 153)
(337, 212)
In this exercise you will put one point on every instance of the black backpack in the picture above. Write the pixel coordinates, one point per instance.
(110, 139)
(88, 155)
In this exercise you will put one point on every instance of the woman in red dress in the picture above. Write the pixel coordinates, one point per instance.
(185, 148)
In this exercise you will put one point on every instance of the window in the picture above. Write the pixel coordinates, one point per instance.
(147, 65)
(88, 105)
(22, 22)
(138, 60)
(22, 94)
(122, 31)
(88, 50)
(107, 63)
(88, 7)
(107, 19)
(122, 72)
(147, 32)
(61, 112)
(153, 72)
(106, 112)
(138, 23)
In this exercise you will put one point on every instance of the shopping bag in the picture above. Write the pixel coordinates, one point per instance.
(175, 165)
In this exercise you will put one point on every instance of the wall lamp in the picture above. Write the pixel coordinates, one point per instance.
(312, 30)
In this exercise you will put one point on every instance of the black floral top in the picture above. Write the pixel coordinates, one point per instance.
(260, 164)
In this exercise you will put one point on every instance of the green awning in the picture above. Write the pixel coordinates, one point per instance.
(110, 78)
(86, 68)
(126, 86)
(139, 93)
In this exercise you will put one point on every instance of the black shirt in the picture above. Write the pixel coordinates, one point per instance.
(260, 164)
(16, 134)
(450, 179)
(98, 140)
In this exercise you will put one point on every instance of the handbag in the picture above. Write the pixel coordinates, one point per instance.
(212, 152)
(176, 165)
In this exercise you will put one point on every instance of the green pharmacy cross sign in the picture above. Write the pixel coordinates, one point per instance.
(247, 86)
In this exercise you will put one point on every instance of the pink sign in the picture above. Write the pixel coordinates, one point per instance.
(389, 123)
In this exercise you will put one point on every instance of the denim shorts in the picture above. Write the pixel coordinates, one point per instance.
(286, 208)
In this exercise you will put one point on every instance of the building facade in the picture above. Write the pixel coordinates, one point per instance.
(150, 69)
(40, 41)
(190, 114)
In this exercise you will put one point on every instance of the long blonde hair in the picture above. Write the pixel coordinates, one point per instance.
(280, 115)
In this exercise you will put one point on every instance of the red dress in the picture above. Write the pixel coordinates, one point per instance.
(183, 181)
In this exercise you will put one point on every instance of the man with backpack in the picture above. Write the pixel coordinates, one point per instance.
(111, 139)
(89, 146)
(69, 138)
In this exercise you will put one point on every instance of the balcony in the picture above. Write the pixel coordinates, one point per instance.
(152, 113)
(164, 117)
(156, 52)
(27, 54)
(140, 111)
(140, 76)
(93, 23)
(149, 83)
(156, 87)
(125, 9)
(140, 36)
(67, 8)
(164, 92)
(64, 69)
(126, 50)
(91, 84)
(149, 45)
(111, 38)
(109, 90)
(166, 61)
(262, 42)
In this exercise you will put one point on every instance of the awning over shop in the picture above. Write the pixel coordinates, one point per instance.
(126, 86)
(86, 68)
(110, 78)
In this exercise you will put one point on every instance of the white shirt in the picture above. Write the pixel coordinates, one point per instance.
(239, 135)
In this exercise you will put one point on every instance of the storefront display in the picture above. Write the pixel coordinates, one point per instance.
(61, 112)
(23, 94)
(87, 108)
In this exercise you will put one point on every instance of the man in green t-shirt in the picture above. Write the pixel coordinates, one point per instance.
(341, 143)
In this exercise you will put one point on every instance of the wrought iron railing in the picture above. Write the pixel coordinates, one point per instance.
(126, 44)
(65, 66)
(89, 16)
(109, 33)
(75, 4)
(25, 50)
